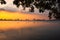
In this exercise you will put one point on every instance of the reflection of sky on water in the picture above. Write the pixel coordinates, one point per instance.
(29, 30)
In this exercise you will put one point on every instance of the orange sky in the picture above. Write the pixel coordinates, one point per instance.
(20, 15)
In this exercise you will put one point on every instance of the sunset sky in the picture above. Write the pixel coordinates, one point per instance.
(6, 12)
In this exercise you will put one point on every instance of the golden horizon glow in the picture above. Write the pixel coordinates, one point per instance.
(19, 15)
(6, 25)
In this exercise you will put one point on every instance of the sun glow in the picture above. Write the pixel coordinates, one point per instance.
(5, 25)
(19, 15)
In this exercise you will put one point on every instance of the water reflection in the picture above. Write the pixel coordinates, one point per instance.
(29, 30)
(4, 25)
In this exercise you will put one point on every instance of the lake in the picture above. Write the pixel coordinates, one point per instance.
(29, 30)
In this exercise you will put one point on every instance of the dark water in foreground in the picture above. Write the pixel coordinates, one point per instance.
(29, 30)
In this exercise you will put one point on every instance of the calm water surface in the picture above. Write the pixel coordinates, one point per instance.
(29, 30)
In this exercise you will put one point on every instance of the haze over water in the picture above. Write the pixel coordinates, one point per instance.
(26, 30)
(29, 30)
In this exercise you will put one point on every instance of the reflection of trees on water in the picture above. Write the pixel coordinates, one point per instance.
(42, 5)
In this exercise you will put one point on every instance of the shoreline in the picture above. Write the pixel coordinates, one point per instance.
(29, 20)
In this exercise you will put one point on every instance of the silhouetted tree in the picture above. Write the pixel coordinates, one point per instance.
(32, 9)
(24, 3)
(2, 1)
(42, 5)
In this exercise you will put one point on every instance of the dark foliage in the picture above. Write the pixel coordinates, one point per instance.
(41, 5)
(2, 1)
